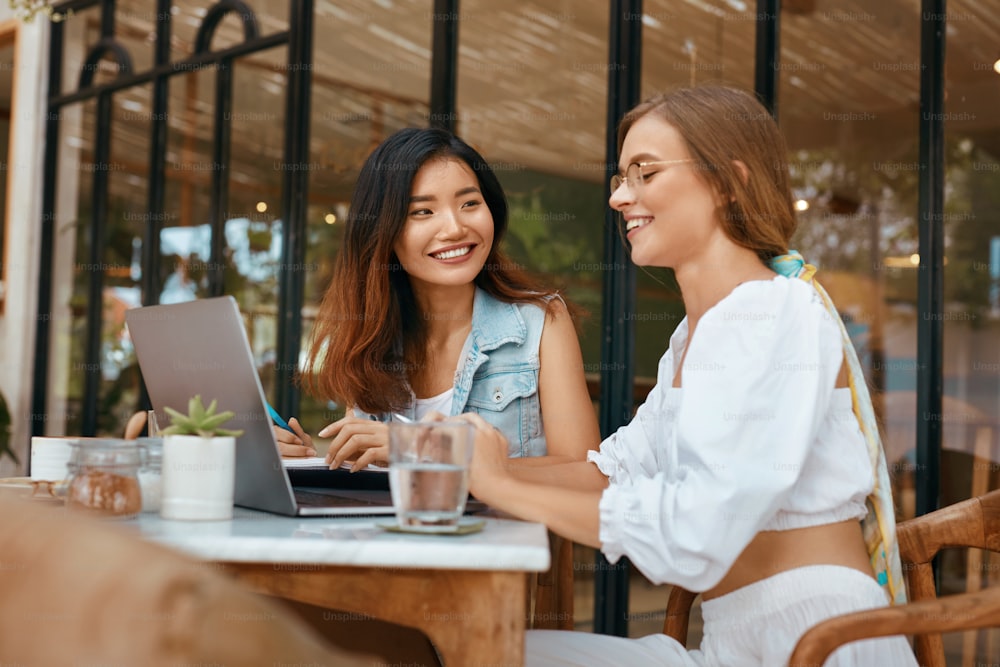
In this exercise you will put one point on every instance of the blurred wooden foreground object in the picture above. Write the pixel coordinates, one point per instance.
(973, 523)
(77, 590)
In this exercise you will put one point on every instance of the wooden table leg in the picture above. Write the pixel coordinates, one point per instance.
(472, 617)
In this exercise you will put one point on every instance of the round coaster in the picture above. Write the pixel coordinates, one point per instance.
(465, 525)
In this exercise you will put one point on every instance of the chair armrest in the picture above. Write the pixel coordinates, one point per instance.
(966, 611)
(675, 623)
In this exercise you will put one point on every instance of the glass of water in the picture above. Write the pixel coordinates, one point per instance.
(429, 473)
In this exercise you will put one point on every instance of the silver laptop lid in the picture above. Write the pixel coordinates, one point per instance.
(201, 347)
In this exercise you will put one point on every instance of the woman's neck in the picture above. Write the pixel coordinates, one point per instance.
(447, 311)
(707, 280)
(447, 316)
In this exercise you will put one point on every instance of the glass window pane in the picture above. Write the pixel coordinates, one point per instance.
(376, 47)
(371, 78)
(254, 231)
(683, 44)
(970, 455)
(189, 15)
(135, 29)
(850, 114)
(251, 227)
(72, 215)
(186, 233)
(532, 89)
(544, 135)
(119, 265)
(81, 31)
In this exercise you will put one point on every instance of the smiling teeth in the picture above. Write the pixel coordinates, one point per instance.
(450, 254)
(635, 223)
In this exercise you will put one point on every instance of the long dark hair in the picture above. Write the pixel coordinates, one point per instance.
(369, 334)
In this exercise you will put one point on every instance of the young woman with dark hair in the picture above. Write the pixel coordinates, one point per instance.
(425, 312)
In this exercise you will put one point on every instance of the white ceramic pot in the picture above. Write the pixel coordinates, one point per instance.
(198, 477)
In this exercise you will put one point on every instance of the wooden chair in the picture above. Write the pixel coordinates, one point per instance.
(973, 523)
(553, 590)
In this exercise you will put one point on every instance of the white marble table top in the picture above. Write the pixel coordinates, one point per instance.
(259, 537)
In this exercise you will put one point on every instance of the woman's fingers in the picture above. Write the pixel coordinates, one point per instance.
(486, 433)
(357, 446)
(293, 450)
(477, 421)
(489, 455)
(284, 437)
(339, 437)
(304, 438)
(355, 438)
(331, 430)
(370, 456)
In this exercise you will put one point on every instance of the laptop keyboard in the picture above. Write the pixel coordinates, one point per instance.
(314, 499)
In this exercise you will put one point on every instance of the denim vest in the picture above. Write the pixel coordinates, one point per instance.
(497, 375)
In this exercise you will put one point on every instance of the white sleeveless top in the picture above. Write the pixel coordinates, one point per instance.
(440, 403)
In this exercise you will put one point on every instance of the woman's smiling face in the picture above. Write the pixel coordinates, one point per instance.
(449, 228)
(672, 213)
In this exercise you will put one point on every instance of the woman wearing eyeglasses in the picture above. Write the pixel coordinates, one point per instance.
(745, 474)
(426, 313)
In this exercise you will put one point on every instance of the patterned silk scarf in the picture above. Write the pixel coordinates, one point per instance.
(879, 525)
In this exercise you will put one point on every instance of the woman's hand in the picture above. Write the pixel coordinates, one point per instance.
(489, 469)
(362, 441)
(296, 444)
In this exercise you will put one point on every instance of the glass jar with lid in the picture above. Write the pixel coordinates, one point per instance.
(104, 477)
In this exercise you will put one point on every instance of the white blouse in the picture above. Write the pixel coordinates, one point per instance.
(756, 439)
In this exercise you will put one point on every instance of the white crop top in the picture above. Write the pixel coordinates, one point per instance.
(757, 438)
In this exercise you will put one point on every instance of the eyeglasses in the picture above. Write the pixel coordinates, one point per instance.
(634, 176)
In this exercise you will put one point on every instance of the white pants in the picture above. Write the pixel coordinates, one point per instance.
(754, 626)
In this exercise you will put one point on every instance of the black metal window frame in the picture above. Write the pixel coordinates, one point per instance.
(295, 183)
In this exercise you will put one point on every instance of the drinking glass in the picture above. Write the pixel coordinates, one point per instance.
(429, 473)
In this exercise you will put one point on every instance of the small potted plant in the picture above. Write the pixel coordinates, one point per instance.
(199, 464)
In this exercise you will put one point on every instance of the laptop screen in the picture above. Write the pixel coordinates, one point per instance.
(201, 347)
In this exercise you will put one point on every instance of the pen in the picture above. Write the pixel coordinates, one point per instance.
(277, 418)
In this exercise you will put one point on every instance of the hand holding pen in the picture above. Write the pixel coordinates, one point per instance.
(292, 438)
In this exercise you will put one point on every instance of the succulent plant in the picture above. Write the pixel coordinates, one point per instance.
(199, 420)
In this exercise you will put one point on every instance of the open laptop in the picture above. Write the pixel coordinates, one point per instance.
(201, 347)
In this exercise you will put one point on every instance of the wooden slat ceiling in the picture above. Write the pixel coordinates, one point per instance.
(533, 76)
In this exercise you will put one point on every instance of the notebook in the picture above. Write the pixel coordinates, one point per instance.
(201, 347)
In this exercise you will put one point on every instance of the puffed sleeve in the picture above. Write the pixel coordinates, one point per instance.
(757, 381)
(632, 452)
